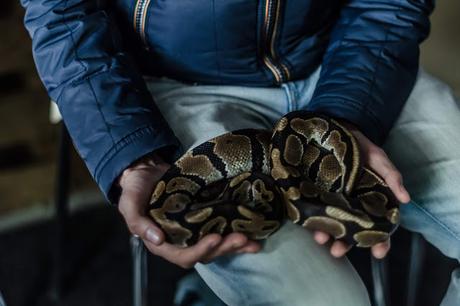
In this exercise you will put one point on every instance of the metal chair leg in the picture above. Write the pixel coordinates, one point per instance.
(417, 257)
(139, 258)
(379, 269)
(61, 207)
(2, 301)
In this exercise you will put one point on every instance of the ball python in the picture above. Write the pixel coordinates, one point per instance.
(307, 169)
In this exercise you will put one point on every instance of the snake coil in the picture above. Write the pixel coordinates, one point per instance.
(307, 169)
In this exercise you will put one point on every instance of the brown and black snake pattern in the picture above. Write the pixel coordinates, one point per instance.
(308, 169)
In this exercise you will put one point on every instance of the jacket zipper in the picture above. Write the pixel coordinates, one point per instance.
(140, 15)
(272, 12)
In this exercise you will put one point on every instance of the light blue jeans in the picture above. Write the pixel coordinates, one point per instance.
(292, 269)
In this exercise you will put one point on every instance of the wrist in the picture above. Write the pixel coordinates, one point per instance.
(149, 161)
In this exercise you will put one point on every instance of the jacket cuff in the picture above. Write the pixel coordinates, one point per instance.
(131, 148)
(363, 118)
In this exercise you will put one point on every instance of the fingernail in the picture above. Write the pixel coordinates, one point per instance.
(404, 191)
(152, 236)
(213, 244)
(237, 245)
(401, 188)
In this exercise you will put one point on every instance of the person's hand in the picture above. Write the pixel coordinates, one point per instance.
(137, 183)
(374, 157)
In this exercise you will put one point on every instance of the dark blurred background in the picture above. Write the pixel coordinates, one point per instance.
(96, 269)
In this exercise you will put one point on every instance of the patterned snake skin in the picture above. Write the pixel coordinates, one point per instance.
(308, 170)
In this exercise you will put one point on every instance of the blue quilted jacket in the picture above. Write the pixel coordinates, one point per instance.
(91, 56)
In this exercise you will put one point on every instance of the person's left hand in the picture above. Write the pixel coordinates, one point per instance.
(374, 157)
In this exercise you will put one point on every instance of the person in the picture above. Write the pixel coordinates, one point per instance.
(139, 82)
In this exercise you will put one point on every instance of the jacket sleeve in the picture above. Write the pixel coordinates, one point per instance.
(371, 63)
(100, 93)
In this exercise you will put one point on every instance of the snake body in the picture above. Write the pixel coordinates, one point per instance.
(307, 169)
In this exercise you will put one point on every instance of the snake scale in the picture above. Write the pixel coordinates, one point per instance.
(307, 169)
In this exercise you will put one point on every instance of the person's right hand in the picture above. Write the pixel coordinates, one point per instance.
(137, 183)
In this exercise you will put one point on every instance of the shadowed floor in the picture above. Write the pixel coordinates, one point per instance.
(97, 267)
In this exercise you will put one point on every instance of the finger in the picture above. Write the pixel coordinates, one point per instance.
(131, 206)
(339, 249)
(200, 251)
(380, 250)
(380, 162)
(230, 244)
(250, 247)
(321, 237)
(189, 256)
(394, 180)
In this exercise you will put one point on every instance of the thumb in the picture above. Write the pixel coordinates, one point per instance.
(132, 207)
(148, 231)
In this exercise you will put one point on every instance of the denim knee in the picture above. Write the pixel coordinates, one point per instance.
(434, 229)
(291, 269)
